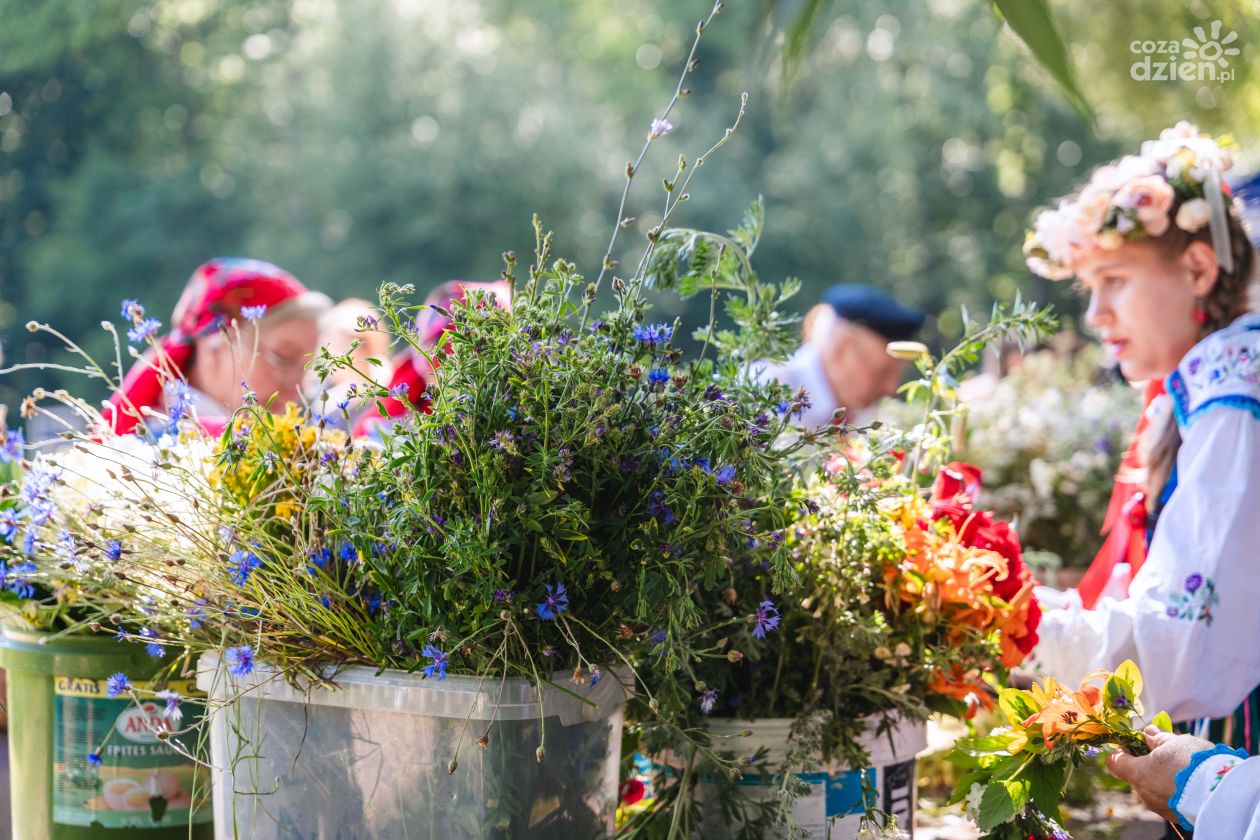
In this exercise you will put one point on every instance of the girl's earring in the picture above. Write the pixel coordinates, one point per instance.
(1199, 314)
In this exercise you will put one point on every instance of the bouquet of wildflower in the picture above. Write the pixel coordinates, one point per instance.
(895, 607)
(1014, 778)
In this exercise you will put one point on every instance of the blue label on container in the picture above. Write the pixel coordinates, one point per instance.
(844, 793)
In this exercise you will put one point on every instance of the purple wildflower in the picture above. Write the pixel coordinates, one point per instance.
(725, 474)
(240, 660)
(554, 602)
(707, 700)
(766, 618)
(132, 310)
(596, 676)
(503, 596)
(144, 329)
(117, 684)
(660, 127)
(438, 665)
(400, 391)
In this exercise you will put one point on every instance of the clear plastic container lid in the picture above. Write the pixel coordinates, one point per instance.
(474, 698)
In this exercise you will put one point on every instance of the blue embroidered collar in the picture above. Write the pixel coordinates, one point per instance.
(1221, 370)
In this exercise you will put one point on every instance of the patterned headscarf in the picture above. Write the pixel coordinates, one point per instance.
(213, 299)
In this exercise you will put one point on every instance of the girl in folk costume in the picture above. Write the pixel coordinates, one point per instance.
(413, 372)
(1158, 243)
(239, 325)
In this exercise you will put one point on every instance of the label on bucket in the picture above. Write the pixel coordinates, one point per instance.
(141, 780)
(835, 799)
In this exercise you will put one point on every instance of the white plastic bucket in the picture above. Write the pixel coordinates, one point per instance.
(369, 758)
(835, 790)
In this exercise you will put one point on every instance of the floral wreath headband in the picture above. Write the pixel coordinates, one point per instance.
(1133, 198)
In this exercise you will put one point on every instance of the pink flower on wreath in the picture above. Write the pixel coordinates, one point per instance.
(1151, 197)
(1086, 219)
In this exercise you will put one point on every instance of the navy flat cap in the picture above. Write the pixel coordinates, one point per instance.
(875, 308)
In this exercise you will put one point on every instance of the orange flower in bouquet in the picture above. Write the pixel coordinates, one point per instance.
(964, 572)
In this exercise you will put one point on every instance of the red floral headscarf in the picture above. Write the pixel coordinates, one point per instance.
(212, 299)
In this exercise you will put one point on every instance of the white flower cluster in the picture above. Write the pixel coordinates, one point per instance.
(1130, 199)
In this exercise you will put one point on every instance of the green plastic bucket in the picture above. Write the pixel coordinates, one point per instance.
(59, 712)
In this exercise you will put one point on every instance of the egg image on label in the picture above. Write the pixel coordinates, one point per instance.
(136, 799)
(116, 791)
(164, 783)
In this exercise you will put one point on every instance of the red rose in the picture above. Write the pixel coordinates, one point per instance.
(632, 791)
(957, 479)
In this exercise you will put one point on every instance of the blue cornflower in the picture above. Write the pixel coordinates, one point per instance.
(653, 334)
(179, 399)
(707, 699)
(172, 712)
(725, 474)
(241, 563)
(344, 405)
(319, 557)
(113, 550)
(144, 329)
(553, 603)
(68, 550)
(151, 647)
(766, 618)
(36, 485)
(253, 313)
(438, 665)
(120, 635)
(12, 580)
(782, 407)
(9, 524)
(240, 660)
(132, 310)
(596, 676)
(658, 377)
(347, 553)
(117, 684)
(195, 614)
(94, 759)
(658, 510)
(11, 448)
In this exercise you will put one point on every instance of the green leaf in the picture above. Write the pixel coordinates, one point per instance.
(1163, 721)
(1031, 22)
(996, 807)
(1129, 672)
(1016, 705)
(1046, 781)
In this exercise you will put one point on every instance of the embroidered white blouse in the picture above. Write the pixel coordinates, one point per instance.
(1191, 621)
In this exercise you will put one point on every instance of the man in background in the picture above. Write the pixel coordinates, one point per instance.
(843, 362)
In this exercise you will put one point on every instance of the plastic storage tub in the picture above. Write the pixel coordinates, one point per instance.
(371, 757)
(835, 792)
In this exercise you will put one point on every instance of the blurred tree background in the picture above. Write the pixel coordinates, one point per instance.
(411, 140)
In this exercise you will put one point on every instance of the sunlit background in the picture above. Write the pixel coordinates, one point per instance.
(411, 140)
